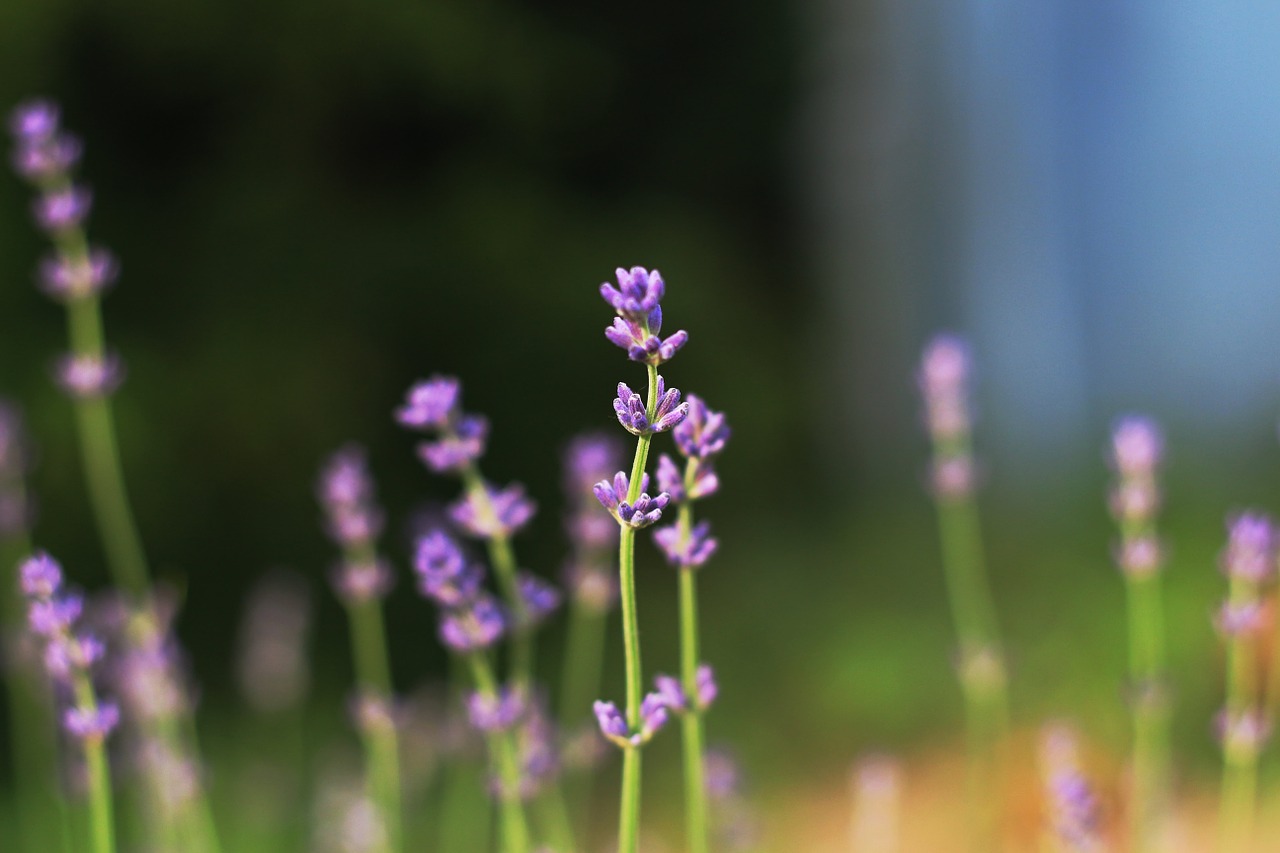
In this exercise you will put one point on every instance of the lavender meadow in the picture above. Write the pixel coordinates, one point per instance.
(520, 747)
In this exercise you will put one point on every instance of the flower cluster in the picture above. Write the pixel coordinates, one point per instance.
(1248, 560)
(635, 417)
(45, 155)
(1136, 449)
(69, 655)
(591, 572)
(644, 511)
(944, 383)
(471, 619)
(1073, 815)
(674, 694)
(654, 714)
(354, 522)
(700, 439)
(638, 326)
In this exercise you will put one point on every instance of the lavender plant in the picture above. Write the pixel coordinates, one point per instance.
(69, 658)
(1073, 820)
(1136, 450)
(944, 380)
(637, 302)
(361, 581)
(700, 438)
(1248, 561)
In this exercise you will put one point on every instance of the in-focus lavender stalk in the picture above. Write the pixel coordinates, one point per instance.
(361, 581)
(944, 384)
(484, 511)
(877, 795)
(1136, 450)
(1248, 561)
(76, 275)
(69, 657)
(637, 302)
(472, 622)
(1072, 816)
(700, 437)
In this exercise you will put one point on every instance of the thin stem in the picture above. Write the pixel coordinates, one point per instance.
(515, 829)
(695, 787)
(101, 810)
(1240, 754)
(373, 675)
(1150, 711)
(981, 666)
(629, 817)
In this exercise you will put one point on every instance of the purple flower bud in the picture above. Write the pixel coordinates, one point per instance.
(703, 433)
(40, 576)
(644, 345)
(498, 512)
(476, 627)
(346, 493)
(944, 379)
(587, 459)
(1073, 808)
(35, 120)
(1140, 557)
(637, 295)
(430, 404)
(642, 513)
(91, 724)
(612, 724)
(1250, 551)
(540, 599)
(365, 581)
(65, 278)
(497, 712)
(443, 572)
(668, 687)
(52, 616)
(66, 655)
(630, 409)
(653, 716)
(63, 209)
(707, 689)
(1242, 732)
(47, 160)
(453, 452)
(686, 549)
(1136, 446)
(1239, 618)
(87, 376)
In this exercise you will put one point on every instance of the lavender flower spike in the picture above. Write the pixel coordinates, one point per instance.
(653, 716)
(443, 572)
(703, 433)
(637, 296)
(476, 627)
(642, 343)
(507, 510)
(1250, 551)
(497, 712)
(40, 576)
(1136, 446)
(630, 409)
(644, 512)
(686, 549)
(91, 724)
(539, 597)
(431, 404)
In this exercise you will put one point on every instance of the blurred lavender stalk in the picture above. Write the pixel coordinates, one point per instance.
(361, 581)
(32, 732)
(1248, 562)
(592, 581)
(1136, 450)
(944, 382)
(877, 803)
(76, 275)
(70, 655)
(1072, 816)
(637, 302)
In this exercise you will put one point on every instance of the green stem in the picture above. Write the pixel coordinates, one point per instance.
(373, 675)
(583, 663)
(101, 816)
(1150, 711)
(981, 667)
(695, 787)
(515, 829)
(629, 817)
(1239, 778)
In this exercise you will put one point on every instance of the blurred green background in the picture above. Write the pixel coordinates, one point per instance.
(317, 203)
